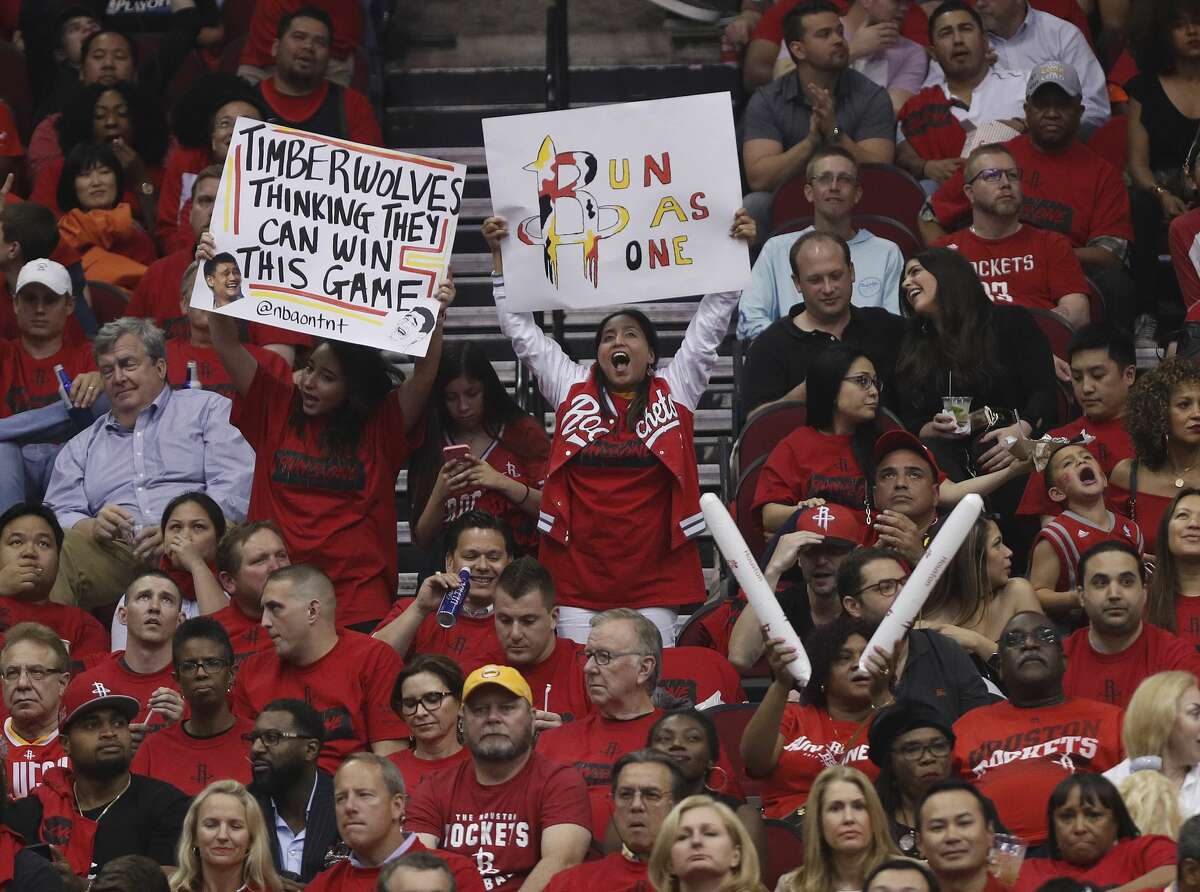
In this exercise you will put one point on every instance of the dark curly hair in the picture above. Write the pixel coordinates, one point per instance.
(1148, 409)
(823, 646)
(1150, 26)
(369, 380)
(77, 124)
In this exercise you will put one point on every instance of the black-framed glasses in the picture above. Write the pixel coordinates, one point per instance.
(886, 587)
(915, 751)
(1016, 637)
(866, 382)
(12, 674)
(431, 700)
(993, 175)
(604, 657)
(272, 738)
(211, 666)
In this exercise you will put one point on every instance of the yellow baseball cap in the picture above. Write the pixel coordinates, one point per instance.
(505, 676)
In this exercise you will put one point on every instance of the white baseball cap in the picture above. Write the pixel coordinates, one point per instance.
(45, 272)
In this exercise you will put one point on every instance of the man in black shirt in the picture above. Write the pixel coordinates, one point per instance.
(97, 810)
(777, 364)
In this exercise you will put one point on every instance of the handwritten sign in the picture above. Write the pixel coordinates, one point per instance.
(617, 203)
(331, 238)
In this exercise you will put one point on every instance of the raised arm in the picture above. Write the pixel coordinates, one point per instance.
(239, 363)
(413, 394)
(554, 370)
(761, 741)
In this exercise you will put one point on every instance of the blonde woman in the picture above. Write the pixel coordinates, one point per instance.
(703, 847)
(224, 845)
(1160, 778)
(845, 834)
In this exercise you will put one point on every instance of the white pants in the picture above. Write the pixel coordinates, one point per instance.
(575, 622)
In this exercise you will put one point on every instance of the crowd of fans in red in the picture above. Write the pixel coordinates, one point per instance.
(209, 683)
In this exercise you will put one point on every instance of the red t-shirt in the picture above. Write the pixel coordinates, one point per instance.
(616, 475)
(347, 28)
(346, 877)
(1112, 444)
(211, 371)
(157, 294)
(31, 383)
(245, 632)
(82, 632)
(591, 745)
(499, 827)
(1185, 257)
(351, 686)
(811, 742)
(112, 673)
(808, 464)
(173, 228)
(471, 642)
(413, 770)
(519, 453)
(613, 873)
(361, 124)
(1031, 268)
(557, 682)
(336, 513)
(1187, 620)
(1125, 861)
(1076, 193)
(700, 676)
(1113, 678)
(1070, 535)
(1016, 757)
(26, 760)
(192, 763)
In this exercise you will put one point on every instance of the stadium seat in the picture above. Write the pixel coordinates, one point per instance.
(1109, 142)
(789, 204)
(749, 524)
(888, 421)
(731, 720)
(889, 191)
(1096, 308)
(785, 851)
(1056, 329)
(891, 229)
(762, 433)
(692, 634)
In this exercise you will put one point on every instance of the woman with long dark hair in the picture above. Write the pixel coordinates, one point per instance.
(1174, 600)
(959, 343)
(503, 470)
(830, 456)
(329, 447)
(620, 507)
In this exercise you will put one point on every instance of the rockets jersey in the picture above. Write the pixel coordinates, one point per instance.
(26, 760)
(192, 763)
(1070, 535)
(1187, 619)
(1017, 756)
(246, 633)
(812, 741)
(1113, 678)
(471, 641)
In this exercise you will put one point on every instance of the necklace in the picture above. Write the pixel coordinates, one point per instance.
(1179, 478)
(112, 802)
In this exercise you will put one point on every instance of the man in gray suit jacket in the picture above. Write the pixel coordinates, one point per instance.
(295, 796)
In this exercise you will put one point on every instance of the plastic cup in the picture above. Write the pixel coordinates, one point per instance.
(960, 408)
(1007, 855)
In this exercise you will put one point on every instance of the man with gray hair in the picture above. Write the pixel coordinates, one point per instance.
(112, 481)
(621, 665)
(1188, 862)
(369, 803)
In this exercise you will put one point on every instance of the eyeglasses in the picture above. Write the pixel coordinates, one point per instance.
(211, 665)
(886, 587)
(431, 700)
(993, 175)
(866, 382)
(12, 674)
(650, 795)
(272, 738)
(604, 657)
(826, 180)
(1015, 637)
(913, 752)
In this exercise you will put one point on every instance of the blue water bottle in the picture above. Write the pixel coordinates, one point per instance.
(453, 600)
(64, 385)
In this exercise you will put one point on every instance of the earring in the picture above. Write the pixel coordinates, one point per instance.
(724, 778)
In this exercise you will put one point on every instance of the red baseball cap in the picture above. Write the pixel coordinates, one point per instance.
(901, 439)
(82, 698)
(837, 523)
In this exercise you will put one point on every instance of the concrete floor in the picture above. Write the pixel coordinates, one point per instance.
(512, 32)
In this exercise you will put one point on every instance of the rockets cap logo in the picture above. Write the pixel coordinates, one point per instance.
(569, 215)
(823, 517)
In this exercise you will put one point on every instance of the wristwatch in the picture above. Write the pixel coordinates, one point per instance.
(837, 132)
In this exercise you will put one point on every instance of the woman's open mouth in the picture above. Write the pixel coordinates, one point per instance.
(620, 360)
